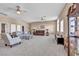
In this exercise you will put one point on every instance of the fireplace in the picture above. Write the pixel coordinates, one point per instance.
(39, 32)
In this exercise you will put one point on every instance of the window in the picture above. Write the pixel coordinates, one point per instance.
(61, 26)
(72, 25)
(18, 27)
(58, 25)
(13, 28)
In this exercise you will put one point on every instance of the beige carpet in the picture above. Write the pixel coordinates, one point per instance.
(37, 46)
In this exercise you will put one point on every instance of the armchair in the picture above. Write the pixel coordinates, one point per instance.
(9, 41)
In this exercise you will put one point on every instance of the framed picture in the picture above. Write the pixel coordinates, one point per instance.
(42, 26)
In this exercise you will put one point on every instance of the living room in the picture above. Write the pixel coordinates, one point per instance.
(39, 29)
(32, 26)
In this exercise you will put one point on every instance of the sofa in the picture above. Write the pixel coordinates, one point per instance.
(24, 35)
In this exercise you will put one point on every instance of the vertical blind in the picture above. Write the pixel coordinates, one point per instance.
(61, 26)
(13, 28)
(18, 27)
(58, 25)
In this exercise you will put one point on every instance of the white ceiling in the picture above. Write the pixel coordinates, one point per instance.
(33, 11)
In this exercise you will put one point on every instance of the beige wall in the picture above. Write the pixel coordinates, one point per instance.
(8, 21)
(50, 25)
(63, 16)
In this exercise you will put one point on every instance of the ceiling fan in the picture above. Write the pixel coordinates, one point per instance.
(18, 9)
(43, 17)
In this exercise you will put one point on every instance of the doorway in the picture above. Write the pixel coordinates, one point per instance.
(23, 29)
(2, 28)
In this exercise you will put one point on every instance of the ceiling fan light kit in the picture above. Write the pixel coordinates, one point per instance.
(18, 10)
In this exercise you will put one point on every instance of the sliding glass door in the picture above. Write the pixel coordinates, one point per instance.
(73, 43)
(72, 37)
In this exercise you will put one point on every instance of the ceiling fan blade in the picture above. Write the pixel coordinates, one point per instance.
(24, 11)
(9, 8)
(1, 13)
(42, 18)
